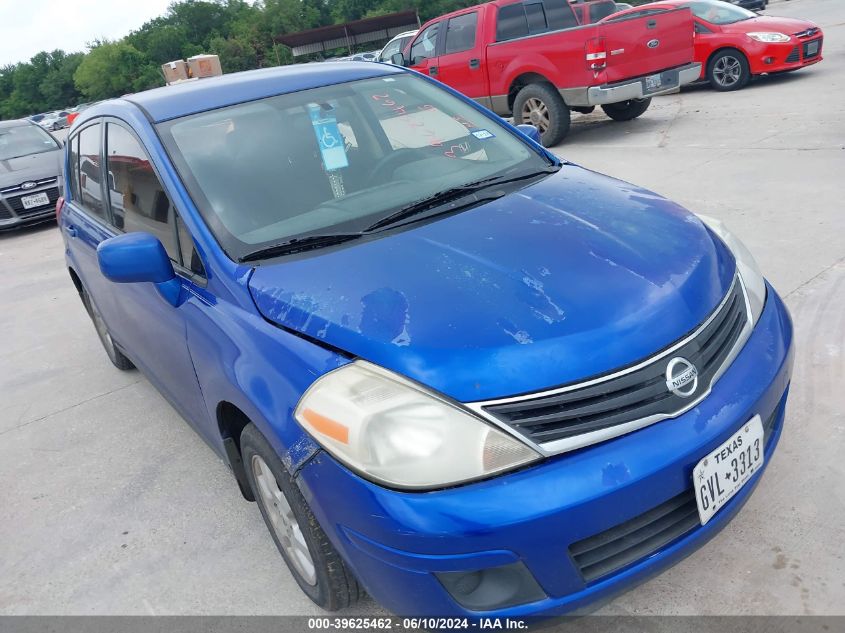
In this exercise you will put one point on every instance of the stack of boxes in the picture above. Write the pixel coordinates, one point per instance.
(197, 67)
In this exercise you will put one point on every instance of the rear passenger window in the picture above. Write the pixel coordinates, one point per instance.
(137, 198)
(536, 18)
(73, 168)
(559, 15)
(460, 33)
(511, 23)
(530, 18)
(90, 192)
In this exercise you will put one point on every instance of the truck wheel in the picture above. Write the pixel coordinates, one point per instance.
(314, 562)
(626, 110)
(117, 357)
(728, 70)
(542, 106)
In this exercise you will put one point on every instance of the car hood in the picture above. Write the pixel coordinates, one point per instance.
(570, 277)
(769, 23)
(14, 171)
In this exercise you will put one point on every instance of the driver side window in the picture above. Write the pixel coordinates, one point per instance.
(426, 45)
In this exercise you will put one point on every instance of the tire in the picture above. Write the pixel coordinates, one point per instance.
(728, 70)
(299, 538)
(626, 110)
(542, 106)
(117, 357)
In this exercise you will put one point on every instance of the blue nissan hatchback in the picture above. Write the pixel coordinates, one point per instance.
(451, 369)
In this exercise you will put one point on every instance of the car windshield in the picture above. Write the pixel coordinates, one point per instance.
(335, 159)
(23, 140)
(717, 12)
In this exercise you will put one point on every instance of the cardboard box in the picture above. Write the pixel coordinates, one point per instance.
(205, 66)
(175, 71)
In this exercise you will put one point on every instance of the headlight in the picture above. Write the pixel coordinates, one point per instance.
(769, 37)
(752, 278)
(400, 434)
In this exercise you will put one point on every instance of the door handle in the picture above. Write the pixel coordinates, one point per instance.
(651, 24)
(71, 230)
(475, 63)
(432, 70)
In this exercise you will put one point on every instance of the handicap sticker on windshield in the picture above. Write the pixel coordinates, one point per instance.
(329, 138)
(482, 134)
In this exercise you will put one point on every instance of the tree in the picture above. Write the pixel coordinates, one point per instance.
(115, 68)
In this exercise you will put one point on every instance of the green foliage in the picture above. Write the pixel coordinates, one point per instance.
(241, 32)
(112, 69)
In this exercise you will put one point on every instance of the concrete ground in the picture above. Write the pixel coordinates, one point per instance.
(110, 504)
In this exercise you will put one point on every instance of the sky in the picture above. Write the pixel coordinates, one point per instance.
(30, 26)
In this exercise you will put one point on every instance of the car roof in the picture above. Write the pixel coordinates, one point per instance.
(171, 102)
(660, 4)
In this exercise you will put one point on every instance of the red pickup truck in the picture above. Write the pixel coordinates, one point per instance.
(533, 59)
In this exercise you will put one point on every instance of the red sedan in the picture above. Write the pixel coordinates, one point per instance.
(733, 44)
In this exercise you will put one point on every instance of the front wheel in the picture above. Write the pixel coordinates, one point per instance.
(542, 106)
(626, 110)
(728, 70)
(314, 562)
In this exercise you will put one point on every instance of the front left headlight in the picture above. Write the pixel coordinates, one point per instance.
(765, 36)
(752, 278)
(400, 434)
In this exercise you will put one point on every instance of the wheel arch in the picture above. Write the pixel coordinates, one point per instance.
(77, 282)
(231, 421)
(722, 49)
(522, 80)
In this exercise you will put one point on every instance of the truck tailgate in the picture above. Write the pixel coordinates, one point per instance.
(643, 45)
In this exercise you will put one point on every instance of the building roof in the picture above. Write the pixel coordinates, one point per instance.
(326, 38)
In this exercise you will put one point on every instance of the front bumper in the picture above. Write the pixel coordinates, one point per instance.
(396, 541)
(779, 57)
(631, 88)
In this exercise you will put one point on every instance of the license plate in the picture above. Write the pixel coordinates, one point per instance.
(721, 474)
(812, 48)
(653, 83)
(35, 200)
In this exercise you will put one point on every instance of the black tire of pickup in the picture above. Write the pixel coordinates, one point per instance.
(626, 110)
(543, 102)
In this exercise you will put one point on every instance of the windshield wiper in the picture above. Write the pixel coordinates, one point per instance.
(439, 203)
(299, 244)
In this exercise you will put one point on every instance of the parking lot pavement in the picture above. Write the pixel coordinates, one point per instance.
(109, 503)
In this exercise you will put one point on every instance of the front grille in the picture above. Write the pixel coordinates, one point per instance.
(642, 536)
(807, 33)
(38, 183)
(17, 205)
(818, 46)
(4, 214)
(794, 56)
(634, 394)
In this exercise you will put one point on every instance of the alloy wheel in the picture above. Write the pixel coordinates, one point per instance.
(283, 520)
(727, 71)
(535, 112)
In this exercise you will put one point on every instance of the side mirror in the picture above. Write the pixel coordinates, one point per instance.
(136, 258)
(530, 131)
(397, 59)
